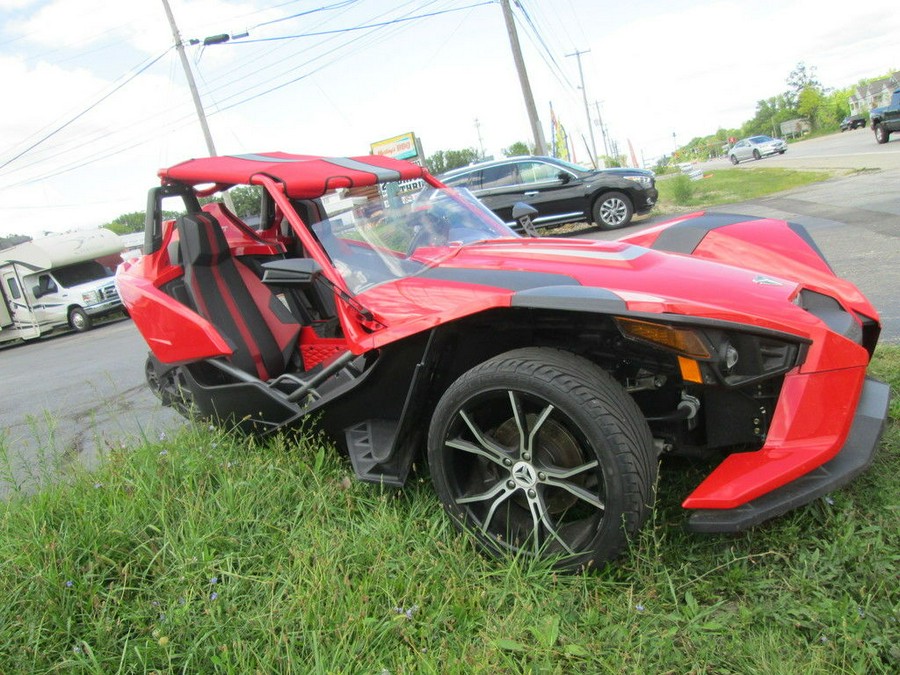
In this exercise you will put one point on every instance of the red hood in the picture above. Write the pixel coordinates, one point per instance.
(490, 274)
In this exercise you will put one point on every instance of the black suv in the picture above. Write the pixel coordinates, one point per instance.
(562, 192)
(853, 121)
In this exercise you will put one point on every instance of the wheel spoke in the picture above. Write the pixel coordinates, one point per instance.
(521, 421)
(506, 492)
(494, 491)
(488, 450)
(545, 413)
(490, 454)
(535, 529)
(577, 491)
(553, 473)
(548, 525)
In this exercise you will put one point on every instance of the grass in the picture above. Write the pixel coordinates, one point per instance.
(207, 552)
(725, 186)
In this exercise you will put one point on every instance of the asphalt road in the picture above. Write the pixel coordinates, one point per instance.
(851, 150)
(67, 398)
(74, 396)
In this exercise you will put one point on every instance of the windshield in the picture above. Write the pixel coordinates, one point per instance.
(572, 166)
(380, 233)
(81, 273)
(760, 139)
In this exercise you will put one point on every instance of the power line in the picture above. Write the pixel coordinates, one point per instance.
(373, 32)
(336, 5)
(83, 112)
(361, 27)
(553, 64)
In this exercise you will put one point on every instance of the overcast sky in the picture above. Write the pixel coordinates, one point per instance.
(96, 99)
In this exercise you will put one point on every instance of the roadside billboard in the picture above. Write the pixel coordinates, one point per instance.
(404, 146)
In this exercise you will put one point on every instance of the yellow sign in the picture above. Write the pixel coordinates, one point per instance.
(398, 147)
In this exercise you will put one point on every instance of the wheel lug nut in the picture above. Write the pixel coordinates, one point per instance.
(511, 484)
(507, 462)
(526, 456)
(532, 494)
(542, 476)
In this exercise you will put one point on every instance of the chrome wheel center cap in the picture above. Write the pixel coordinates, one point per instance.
(524, 475)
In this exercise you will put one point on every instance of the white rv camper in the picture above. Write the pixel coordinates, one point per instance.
(57, 281)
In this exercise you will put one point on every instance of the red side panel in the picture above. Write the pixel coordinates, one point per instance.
(173, 332)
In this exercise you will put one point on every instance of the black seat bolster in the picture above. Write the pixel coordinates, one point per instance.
(228, 294)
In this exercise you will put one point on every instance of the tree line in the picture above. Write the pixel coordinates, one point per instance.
(804, 98)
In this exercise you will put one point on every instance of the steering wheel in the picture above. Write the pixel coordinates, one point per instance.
(431, 231)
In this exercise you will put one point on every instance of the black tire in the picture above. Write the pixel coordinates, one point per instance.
(882, 135)
(612, 210)
(734, 159)
(756, 155)
(539, 452)
(155, 383)
(79, 320)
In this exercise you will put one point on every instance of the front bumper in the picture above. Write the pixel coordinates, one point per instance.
(649, 197)
(104, 308)
(853, 458)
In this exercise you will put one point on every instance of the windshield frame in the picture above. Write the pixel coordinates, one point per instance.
(379, 234)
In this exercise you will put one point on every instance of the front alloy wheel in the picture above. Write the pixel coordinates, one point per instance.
(539, 452)
(612, 210)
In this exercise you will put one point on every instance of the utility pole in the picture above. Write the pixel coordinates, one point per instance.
(190, 79)
(577, 54)
(210, 146)
(480, 143)
(602, 128)
(540, 147)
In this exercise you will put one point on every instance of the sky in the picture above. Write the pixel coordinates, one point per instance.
(97, 100)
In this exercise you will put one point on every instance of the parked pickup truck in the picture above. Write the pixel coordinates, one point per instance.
(886, 119)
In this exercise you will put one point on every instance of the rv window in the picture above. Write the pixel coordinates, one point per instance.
(13, 289)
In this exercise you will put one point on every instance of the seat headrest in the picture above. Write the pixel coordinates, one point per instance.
(202, 240)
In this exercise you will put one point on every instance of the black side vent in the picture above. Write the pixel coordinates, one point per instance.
(832, 314)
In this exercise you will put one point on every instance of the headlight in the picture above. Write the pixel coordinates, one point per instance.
(716, 356)
(646, 181)
(90, 298)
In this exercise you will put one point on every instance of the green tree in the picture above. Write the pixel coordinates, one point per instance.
(770, 113)
(809, 101)
(13, 239)
(246, 199)
(446, 160)
(516, 149)
(127, 223)
(800, 78)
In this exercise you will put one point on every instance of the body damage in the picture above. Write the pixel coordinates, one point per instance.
(731, 334)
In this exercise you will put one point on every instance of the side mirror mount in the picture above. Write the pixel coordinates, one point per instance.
(522, 213)
(564, 177)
